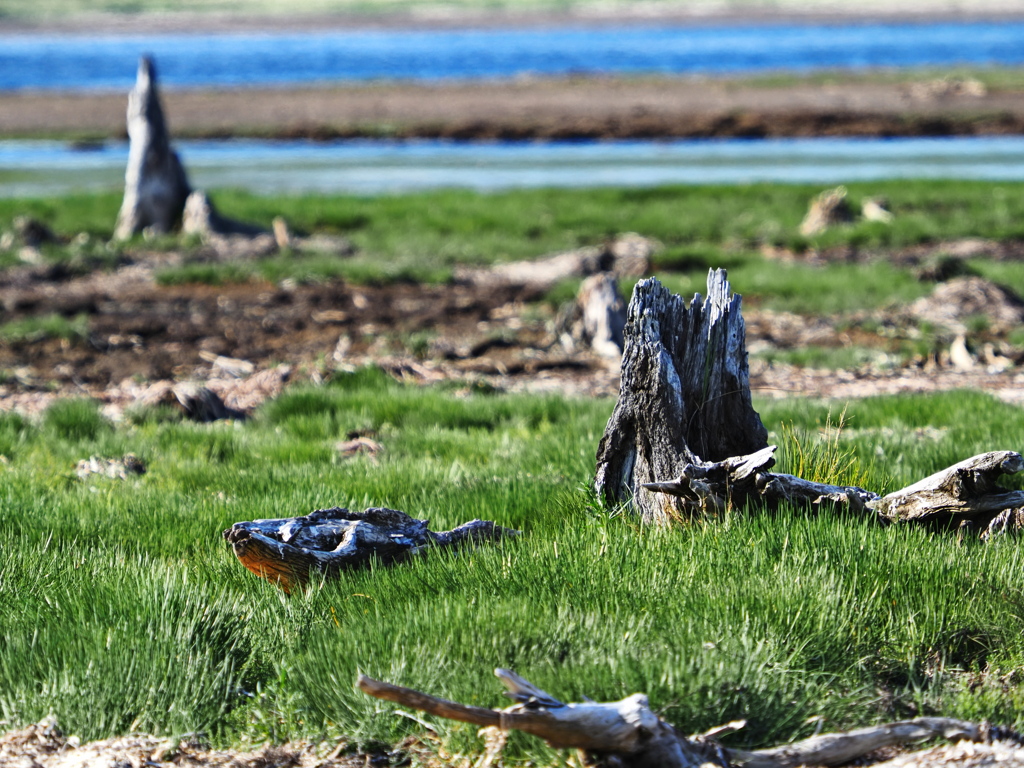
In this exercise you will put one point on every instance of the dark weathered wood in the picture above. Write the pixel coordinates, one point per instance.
(684, 397)
(285, 551)
(629, 734)
(684, 439)
(155, 183)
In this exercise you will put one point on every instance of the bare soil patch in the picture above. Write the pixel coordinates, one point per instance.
(246, 341)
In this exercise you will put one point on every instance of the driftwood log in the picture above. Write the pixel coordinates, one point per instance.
(685, 440)
(965, 496)
(155, 185)
(628, 734)
(286, 551)
(625, 255)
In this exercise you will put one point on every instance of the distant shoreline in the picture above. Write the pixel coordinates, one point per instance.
(642, 14)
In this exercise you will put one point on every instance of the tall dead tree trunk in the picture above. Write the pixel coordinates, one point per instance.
(684, 398)
(155, 185)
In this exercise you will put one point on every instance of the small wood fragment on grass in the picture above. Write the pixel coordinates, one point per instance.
(359, 446)
(115, 469)
(826, 210)
(625, 255)
(595, 319)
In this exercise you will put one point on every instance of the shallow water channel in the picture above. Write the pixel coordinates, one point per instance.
(73, 62)
(42, 168)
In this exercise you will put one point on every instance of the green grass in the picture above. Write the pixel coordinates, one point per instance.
(51, 326)
(122, 609)
(423, 237)
(830, 358)
(993, 78)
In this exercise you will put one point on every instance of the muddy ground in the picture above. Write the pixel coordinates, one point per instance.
(248, 340)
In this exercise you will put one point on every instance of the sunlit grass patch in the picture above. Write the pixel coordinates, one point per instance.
(52, 326)
(121, 608)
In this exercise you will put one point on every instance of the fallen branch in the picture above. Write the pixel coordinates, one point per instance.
(628, 733)
(286, 551)
(965, 496)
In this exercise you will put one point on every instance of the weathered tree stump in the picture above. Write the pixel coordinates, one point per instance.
(628, 734)
(684, 397)
(200, 217)
(826, 210)
(684, 438)
(286, 551)
(595, 319)
(155, 183)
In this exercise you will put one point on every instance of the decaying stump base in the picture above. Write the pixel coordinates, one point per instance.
(684, 439)
(287, 551)
(684, 398)
(628, 734)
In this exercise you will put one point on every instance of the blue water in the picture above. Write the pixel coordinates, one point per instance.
(80, 62)
(31, 168)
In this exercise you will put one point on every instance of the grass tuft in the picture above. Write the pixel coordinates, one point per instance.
(51, 326)
(75, 420)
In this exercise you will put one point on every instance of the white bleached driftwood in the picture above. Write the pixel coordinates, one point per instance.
(966, 495)
(624, 255)
(628, 734)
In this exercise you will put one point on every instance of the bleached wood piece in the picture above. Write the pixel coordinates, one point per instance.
(966, 493)
(684, 398)
(628, 733)
(286, 551)
(596, 318)
(155, 186)
(627, 729)
(626, 254)
(826, 210)
(740, 480)
(838, 748)
(201, 217)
